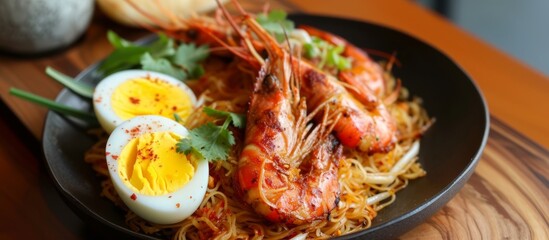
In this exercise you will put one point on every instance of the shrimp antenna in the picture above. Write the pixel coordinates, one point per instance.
(392, 60)
(230, 19)
(237, 30)
(294, 83)
(239, 7)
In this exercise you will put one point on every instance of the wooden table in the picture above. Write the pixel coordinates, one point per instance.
(507, 196)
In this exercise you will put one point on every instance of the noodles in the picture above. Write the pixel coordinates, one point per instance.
(368, 183)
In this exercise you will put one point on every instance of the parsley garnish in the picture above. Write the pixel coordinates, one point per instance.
(210, 141)
(239, 120)
(188, 56)
(276, 22)
(181, 62)
(161, 65)
(329, 54)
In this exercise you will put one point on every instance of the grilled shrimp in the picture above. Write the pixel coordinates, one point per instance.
(365, 75)
(287, 170)
(369, 128)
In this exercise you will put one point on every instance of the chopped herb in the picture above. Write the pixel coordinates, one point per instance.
(127, 55)
(210, 141)
(310, 50)
(163, 47)
(122, 58)
(196, 72)
(335, 59)
(162, 56)
(329, 54)
(239, 120)
(161, 65)
(188, 56)
(276, 23)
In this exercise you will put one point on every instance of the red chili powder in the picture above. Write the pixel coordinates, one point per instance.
(134, 100)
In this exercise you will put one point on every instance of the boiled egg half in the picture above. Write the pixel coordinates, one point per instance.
(154, 180)
(131, 93)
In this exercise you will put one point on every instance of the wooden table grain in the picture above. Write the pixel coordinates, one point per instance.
(506, 197)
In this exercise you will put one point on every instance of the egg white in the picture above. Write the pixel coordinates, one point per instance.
(163, 209)
(103, 92)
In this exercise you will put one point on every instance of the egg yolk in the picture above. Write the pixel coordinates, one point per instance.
(150, 96)
(150, 165)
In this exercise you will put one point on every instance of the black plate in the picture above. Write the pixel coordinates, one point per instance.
(449, 150)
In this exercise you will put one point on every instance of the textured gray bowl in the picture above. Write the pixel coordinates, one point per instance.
(34, 26)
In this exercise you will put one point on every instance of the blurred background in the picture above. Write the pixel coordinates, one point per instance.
(520, 28)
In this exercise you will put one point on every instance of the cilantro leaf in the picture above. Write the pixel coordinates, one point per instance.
(122, 58)
(238, 120)
(184, 145)
(189, 55)
(275, 22)
(163, 47)
(161, 65)
(196, 72)
(161, 56)
(212, 142)
(127, 55)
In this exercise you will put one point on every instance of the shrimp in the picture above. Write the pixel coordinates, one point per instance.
(287, 170)
(371, 129)
(365, 75)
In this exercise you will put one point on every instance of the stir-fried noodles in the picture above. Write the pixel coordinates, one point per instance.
(369, 174)
(368, 182)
